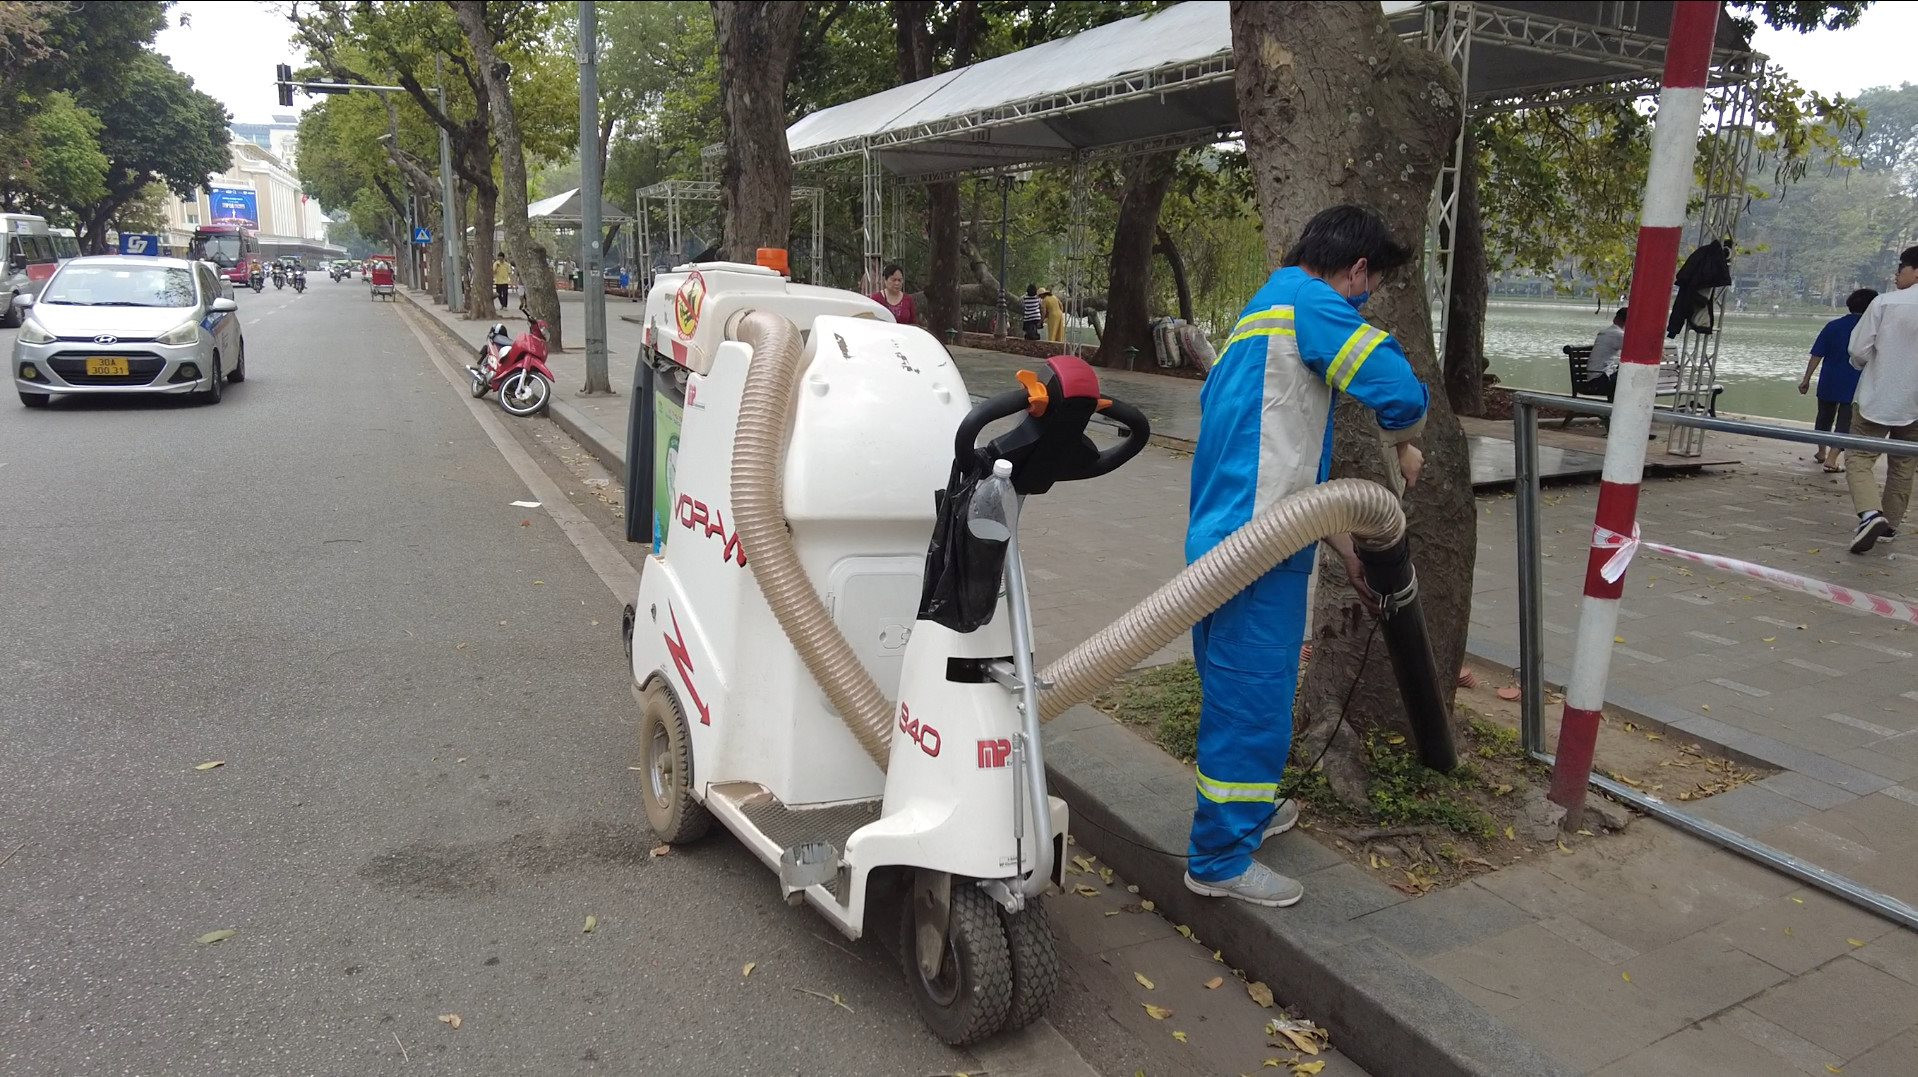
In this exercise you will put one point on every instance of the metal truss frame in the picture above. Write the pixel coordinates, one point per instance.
(1449, 33)
(672, 196)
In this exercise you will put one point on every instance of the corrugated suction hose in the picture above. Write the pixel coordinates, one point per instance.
(1365, 509)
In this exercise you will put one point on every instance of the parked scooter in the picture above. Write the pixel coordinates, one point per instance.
(515, 367)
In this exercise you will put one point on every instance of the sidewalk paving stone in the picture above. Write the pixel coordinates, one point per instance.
(1716, 984)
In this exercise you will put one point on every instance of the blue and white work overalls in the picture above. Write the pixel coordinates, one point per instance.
(1265, 432)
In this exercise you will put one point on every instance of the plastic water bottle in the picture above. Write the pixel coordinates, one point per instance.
(989, 516)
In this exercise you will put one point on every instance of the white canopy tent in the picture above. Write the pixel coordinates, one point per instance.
(1164, 80)
(564, 209)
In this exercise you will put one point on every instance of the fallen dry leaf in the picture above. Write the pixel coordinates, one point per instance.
(1260, 993)
(212, 937)
(1396, 738)
(210, 764)
(1112, 912)
(591, 923)
(747, 969)
(1183, 930)
(1180, 1036)
(1143, 982)
(659, 851)
(1157, 1013)
(1084, 864)
(1856, 942)
(1147, 905)
(1086, 891)
(1627, 975)
(1511, 834)
(1214, 982)
(1307, 1069)
(450, 1019)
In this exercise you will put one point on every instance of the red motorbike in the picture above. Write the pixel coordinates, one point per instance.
(516, 368)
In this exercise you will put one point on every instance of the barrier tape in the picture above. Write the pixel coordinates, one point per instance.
(1830, 592)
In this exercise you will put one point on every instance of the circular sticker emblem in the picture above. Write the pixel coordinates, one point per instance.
(687, 303)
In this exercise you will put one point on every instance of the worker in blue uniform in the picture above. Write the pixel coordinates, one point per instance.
(1265, 432)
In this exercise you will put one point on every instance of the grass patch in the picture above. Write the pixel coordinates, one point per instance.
(1164, 702)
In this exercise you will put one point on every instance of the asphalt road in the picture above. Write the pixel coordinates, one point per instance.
(418, 698)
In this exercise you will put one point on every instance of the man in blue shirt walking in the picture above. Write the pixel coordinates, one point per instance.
(1838, 379)
(1265, 432)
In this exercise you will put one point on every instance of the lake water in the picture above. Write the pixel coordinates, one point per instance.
(1759, 361)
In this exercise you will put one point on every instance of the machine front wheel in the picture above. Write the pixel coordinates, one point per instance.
(969, 998)
(1035, 963)
(666, 761)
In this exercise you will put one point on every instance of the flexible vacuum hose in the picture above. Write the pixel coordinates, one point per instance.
(759, 511)
(1367, 510)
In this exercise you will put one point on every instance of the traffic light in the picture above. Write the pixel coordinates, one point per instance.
(283, 74)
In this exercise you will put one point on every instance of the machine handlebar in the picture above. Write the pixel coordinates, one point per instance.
(1138, 434)
(1051, 445)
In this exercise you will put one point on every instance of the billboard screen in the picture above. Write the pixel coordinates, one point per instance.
(234, 202)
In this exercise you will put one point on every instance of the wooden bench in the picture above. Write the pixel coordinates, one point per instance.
(1578, 355)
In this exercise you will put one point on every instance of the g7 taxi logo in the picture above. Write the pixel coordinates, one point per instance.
(687, 303)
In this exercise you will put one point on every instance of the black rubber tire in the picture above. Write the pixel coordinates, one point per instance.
(667, 792)
(239, 368)
(1035, 962)
(212, 395)
(974, 989)
(506, 394)
(35, 400)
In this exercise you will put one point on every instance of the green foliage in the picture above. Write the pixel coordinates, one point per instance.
(1798, 14)
(63, 164)
(1404, 793)
(1164, 701)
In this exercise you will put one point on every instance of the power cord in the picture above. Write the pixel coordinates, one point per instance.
(1350, 691)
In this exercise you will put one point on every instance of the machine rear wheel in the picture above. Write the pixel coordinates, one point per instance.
(969, 998)
(666, 761)
(1035, 963)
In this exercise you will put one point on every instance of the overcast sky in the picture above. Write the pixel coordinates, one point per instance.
(229, 49)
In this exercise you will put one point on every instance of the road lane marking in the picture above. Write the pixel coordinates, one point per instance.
(612, 568)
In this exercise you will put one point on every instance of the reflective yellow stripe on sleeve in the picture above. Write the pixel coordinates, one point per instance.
(1264, 323)
(1345, 365)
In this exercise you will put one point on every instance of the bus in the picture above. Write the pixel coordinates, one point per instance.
(27, 259)
(232, 246)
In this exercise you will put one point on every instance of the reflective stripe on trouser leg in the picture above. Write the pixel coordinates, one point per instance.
(1248, 658)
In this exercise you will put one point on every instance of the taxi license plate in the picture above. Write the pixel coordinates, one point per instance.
(107, 367)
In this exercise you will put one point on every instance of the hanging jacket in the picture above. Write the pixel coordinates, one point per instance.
(1706, 268)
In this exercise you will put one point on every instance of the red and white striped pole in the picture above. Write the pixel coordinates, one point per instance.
(1668, 183)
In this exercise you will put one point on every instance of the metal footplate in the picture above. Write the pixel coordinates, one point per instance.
(813, 839)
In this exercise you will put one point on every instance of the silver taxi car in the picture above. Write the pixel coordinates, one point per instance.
(128, 324)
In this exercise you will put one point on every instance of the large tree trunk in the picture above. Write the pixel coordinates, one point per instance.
(542, 297)
(1127, 339)
(1465, 338)
(756, 46)
(1303, 72)
(1175, 264)
(913, 45)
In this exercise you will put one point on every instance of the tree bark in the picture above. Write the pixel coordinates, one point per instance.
(1465, 339)
(756, 47)
(1129, 274)
(916, 59)
(1175, 263)
(479, 254)
(1336, 109)
(542, 298)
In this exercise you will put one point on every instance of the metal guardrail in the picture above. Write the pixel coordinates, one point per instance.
(1531, 632)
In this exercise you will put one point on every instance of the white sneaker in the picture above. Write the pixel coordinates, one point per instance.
(1258, 885)
(1283, 819)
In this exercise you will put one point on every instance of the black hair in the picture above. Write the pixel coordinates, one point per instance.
(1618, 318)
(1032, 289)
(1338, 237)
(895, 267)
(1908, 257)
(1857, 301)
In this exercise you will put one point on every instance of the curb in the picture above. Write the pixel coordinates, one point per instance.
(1384, 1012)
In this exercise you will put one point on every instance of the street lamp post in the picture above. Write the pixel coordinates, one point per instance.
(591, 279)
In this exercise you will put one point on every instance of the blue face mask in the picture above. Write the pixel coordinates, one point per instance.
(1358, 301)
